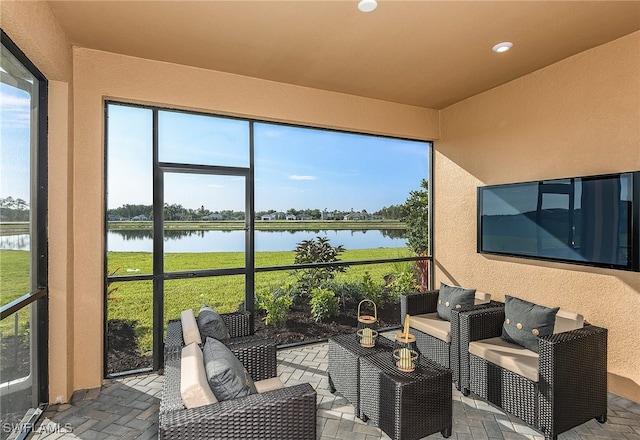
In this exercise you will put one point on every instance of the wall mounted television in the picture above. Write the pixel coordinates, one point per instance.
(591, 220)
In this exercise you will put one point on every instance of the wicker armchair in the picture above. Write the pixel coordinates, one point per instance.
(256, 353)
(288, 413)
(443, 352)
(571, 370)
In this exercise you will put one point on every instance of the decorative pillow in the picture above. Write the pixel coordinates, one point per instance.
(227, 377)
(190, 332)
(211, 324)
(194, 387)
(451, 297)
(525, 322)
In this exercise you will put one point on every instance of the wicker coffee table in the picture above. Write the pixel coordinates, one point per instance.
(345, 353)
(406, 406)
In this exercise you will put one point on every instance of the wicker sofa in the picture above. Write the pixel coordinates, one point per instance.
(284, 413)
(554, 390)
(437, 339)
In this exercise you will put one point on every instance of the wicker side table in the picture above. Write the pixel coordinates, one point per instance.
(344, 364)
(406, 406)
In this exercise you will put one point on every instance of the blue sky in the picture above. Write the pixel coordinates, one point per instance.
(295, 167)
(14, 143)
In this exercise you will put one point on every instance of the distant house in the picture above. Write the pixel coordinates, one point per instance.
(274, 216)
(303, 217)
(214, 216)
(115, 218)
(291, 217)
(356, 216)
(139, 218)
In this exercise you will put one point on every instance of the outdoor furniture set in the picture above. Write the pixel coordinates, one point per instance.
(228, 388)
(544, 365)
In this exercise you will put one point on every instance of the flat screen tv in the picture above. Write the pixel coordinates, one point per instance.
(590, 220)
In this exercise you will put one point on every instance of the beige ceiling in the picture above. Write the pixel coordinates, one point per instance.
(424, 53)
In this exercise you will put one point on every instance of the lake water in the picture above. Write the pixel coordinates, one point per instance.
(233, 241)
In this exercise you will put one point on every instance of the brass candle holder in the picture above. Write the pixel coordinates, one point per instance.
(367, 333)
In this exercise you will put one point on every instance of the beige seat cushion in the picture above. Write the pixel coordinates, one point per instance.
(194, 386)
(430, 324)
(512, 357)
(567, 321)
(482, 298)
(190, 332)
(271, 384)
(516, 358)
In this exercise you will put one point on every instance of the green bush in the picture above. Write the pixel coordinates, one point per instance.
(276, 303)
(371, 290)
(324, 304)
(402, 283)
(318, 250)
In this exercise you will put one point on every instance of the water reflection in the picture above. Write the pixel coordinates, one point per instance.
(234, 240)
(18, 242)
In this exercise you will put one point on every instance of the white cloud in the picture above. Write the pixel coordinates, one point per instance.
(213, 185)
(15, 110)
(297, 177)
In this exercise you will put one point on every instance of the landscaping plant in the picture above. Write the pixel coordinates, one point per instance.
(276, 303)
(324, 304)
(316, 250)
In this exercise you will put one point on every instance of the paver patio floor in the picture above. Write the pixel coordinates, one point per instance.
(127, 408)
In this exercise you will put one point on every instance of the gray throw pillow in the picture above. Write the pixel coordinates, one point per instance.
(227, 377)
(451, 297)
(211, 324)
(525, 321)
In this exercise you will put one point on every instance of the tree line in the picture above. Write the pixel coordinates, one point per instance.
(177, 212)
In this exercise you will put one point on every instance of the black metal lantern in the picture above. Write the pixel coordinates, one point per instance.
(367, 326)
(405, 350)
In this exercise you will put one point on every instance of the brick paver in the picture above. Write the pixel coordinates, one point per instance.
(127, 408)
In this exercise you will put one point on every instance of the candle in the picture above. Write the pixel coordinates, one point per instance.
(406, 327)
(367, 337)
(405, 363)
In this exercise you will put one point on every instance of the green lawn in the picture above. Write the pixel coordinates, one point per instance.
(133, 300)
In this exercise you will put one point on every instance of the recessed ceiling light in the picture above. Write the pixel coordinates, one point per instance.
(502, 47)
(367, 5)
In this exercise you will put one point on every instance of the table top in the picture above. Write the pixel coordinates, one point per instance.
(425, 368)
(351, 343)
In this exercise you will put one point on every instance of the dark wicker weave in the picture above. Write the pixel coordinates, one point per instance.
(288, 413)
(344, 364)
(406, 406)
(437, 350)
(572, 385)
(483, 322)
(238, 324)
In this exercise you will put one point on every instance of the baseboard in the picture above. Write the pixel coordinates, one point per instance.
(624, 387)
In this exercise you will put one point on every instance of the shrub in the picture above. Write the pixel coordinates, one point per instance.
(324, 304)
(276, 303)
(318, 250)
(401, 283)
(371, 290)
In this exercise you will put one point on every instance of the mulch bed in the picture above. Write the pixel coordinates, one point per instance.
(123, 351)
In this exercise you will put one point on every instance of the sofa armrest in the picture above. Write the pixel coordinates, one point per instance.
(418, 303)
(238, 323)
(288, 413)
(573, 370)
(257, 354)
(483, 321)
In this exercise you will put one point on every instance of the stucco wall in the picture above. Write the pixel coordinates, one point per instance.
(99, 75)
(32, 26)
(578, 117)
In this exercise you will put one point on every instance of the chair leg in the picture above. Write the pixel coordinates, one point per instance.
(602, 418)
(446, 433)
(466, 392)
